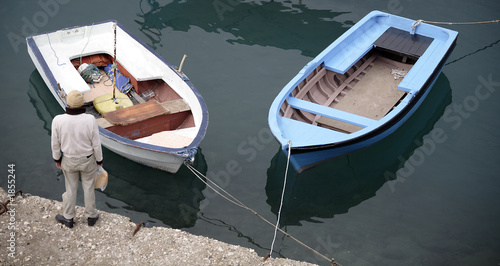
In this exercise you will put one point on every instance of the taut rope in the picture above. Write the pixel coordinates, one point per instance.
(282, 196)
(459, 23)
(236, 202)
(417, 22)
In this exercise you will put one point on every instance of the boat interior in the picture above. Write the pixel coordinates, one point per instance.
(367, 91)
(146, 111)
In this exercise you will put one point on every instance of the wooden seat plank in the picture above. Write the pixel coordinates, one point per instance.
(136, 113)
(402, 42)
(176, 106)
(102, 122)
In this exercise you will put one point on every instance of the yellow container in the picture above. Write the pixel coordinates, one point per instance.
(106, 103)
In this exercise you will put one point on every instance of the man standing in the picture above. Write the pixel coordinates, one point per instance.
(76, 135)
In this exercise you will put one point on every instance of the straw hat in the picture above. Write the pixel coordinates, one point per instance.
(74, 99)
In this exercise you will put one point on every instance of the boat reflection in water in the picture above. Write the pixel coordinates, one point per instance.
(337, 185)
(174, 199)
(269, 23)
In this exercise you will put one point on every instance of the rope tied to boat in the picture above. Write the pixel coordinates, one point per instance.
(419, 21)
(282, 196)
(460, 23)
(414, 26)
(226, 195)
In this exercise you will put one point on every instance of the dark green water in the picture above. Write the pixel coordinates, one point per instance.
(427, 195)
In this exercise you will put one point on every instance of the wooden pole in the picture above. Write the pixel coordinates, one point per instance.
(114, 63)
(182, 63)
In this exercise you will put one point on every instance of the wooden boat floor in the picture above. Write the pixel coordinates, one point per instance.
(372, 97)
(104, 86)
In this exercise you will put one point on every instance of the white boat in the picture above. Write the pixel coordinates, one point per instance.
(157, 118)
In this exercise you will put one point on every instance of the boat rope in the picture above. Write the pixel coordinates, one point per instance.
(458, 23)
(55, 54)
(417, 22)
(282, 196)
(88, 40)
(226, 195)
(111, 99)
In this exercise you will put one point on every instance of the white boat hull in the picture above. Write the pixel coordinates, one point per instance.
(163, 161)
(51, 54)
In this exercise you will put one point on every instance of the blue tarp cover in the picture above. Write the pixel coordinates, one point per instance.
(122, 82)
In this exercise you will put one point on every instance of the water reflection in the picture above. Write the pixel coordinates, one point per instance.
(173, 199)
(340, 184)
(285, 25)
(239, 233)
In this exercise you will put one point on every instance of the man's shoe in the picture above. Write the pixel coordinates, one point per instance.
(68, 222)
(92, 221)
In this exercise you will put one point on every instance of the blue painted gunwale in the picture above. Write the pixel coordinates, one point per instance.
(339, 57)
(185, 152)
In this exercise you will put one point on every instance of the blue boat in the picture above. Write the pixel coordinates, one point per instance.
(360, 89)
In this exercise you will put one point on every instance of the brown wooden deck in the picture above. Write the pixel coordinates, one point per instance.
(368, 89)
(136, 113)
(403, 43)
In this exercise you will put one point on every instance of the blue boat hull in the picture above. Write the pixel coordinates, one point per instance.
(307, 150)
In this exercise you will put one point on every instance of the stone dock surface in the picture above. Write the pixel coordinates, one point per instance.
(30, 235)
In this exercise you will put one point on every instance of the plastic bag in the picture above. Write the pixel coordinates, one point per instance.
(89, 72)
(101, 180)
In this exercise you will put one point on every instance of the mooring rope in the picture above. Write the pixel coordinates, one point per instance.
(199, 175)
(418, 21)
(235, 201)
(282, 196)
(458, 23)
